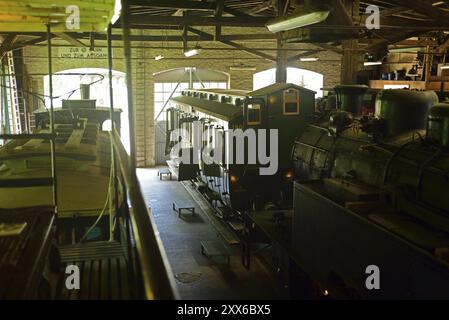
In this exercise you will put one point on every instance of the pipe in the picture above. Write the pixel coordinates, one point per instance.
(127, 53)
(111, 116)
(52, 122)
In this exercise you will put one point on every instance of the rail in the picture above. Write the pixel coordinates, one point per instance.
(25, 136)
(153, 269)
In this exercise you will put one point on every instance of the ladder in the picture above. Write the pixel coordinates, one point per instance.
(18, 121)
(24, 120)
(13, 98)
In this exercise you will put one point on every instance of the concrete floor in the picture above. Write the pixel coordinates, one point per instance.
(198, 277)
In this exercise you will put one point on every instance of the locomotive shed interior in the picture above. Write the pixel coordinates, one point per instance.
(224, 149)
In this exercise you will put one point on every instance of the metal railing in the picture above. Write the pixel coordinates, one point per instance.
(153, 266)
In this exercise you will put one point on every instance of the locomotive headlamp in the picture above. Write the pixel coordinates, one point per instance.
(289, 175)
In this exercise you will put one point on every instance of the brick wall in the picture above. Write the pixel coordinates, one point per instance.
(144, 65)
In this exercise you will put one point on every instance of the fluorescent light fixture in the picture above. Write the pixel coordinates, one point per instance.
(406, 49)
(192, 52)
(444, 67)
(308, 59)
(372, 63)
(438, 3)
(117, 11)
(298, 20)
(159, 57)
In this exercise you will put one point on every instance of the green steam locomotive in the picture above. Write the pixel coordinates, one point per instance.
(372, 192)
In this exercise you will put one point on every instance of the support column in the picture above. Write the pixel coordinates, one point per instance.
(350, 62)
(281, 63)
(129, 83)
(351, 59)
(281, 56)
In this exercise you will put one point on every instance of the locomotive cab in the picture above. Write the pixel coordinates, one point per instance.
(281, 110)
(286, 108)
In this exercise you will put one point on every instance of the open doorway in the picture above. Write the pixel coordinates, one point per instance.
(175, 80)
(66, 87)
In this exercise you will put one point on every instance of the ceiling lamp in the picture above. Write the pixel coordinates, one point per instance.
(299, 19)
(372, 63)
(444, 67)
(192, 52)
(406, 49)
(117, 11)
(159, 57)
(370, 60)
(308, 59)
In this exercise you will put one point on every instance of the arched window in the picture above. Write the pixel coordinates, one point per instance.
(301, 77)
(165, 82)
(67, 87)
(173, 81)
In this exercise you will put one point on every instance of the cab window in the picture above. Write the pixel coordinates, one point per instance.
(253, 116)
(291, 102)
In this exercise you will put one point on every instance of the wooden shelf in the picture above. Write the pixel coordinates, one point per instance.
(433, 84)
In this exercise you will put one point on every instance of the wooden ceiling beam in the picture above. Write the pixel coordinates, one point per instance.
(7, 43)
(393, 40)
(425, 7)
(199, 21)
(235, 12)
(329, 47)
(73, 41)
(408, 42)
(234, 44)
(157, 38)
(218, 13)
(392, 11)
(265, 5)
(22, 44)
(174, 4)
